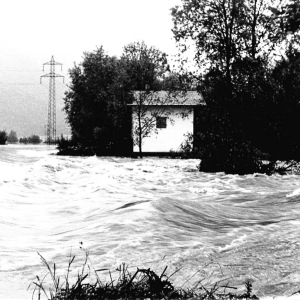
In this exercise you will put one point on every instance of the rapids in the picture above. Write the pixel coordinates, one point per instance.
(147, 213)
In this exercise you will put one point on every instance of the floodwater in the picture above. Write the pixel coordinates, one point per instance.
(147, 212)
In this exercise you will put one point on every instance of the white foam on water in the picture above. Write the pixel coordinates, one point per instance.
(294, 193)
(140, 211)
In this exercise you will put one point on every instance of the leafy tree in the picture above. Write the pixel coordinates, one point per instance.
(23, 140)
(145, 66)
(148, 108)
(12, 137)
(234, 134)
(101, 88)
(3, 137)
(286, 77)
(33, 139)
(226, 30)
(235, 43)
(289, 16)
(147, 69)
(95, 103)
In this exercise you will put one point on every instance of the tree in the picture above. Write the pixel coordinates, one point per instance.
(101, 88)
(95, 103)
(289, 16)
(235, 45)
(286, 77)
(147, 68)
(12, 137)
(23, 140)
(33, 139)
(150, 111)
(3, 137)
(226, 30)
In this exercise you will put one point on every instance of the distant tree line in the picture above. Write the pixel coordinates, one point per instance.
(12, 138)
(33, 139)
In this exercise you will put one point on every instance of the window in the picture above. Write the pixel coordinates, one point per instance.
(161, 122)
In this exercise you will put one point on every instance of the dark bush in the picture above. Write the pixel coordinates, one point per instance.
(3, 137)
(33, 139)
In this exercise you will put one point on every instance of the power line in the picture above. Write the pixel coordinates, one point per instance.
(51, 126)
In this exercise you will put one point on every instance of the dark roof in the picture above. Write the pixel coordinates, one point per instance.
(189, 98)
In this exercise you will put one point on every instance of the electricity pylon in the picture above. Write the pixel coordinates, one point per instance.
(51, 126)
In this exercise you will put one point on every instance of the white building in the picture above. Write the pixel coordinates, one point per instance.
(170, 117)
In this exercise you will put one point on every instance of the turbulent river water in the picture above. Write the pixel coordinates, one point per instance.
(147, 213)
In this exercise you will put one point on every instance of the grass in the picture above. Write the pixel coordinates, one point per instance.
(141, 284)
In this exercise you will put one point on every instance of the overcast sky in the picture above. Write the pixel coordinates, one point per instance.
(34, 30)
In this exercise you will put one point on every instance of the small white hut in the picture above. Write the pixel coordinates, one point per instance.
(169, 116)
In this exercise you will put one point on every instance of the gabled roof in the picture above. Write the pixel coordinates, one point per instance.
(165, 98)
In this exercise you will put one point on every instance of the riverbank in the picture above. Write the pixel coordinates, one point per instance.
(139, 285)
(142, 284)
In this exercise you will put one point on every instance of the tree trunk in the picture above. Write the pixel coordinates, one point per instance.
(140, 135)
(140, 147)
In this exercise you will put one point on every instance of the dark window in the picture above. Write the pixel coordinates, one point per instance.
(161, 122)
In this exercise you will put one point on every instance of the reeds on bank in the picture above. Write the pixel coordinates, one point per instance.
(141, 284)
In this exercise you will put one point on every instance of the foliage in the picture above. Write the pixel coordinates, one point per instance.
(142, 284)
(101, 88)
(95, 103)
(63, 143)
(3, 137)
(226, 30)
(224, 139)
(12, 137)
(289, 16)
(147, 108)
(236, 42)
(258, 123)
(188, 148)
(146, 68)
(286, 79)
(33, 139)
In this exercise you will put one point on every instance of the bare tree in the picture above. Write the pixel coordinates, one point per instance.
(151, 110)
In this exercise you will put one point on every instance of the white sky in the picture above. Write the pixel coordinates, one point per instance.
(34, 30)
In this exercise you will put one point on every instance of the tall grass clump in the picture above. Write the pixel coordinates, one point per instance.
(141, 284)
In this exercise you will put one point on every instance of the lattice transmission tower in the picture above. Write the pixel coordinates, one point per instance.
(51, 125)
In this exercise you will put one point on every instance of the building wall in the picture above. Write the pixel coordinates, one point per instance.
(170, 138)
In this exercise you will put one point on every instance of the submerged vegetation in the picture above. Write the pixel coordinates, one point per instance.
(123, 284)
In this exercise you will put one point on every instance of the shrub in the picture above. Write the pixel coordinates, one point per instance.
(3, 137)
(33, 139)
(12, 137)
(142, 284)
